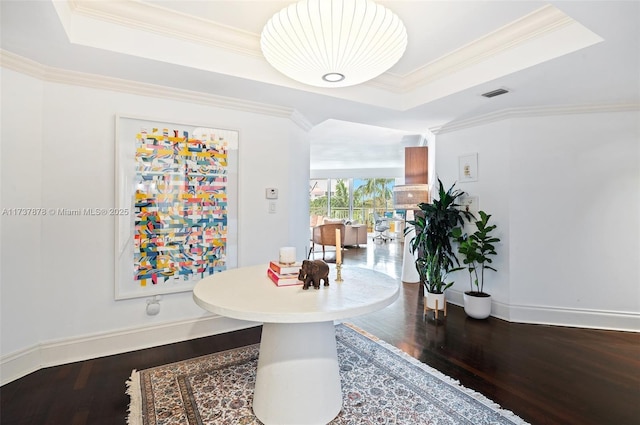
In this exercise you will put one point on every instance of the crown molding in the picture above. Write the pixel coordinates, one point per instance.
(34, 69)
(541, 111)
(388, 81)
(301, 121)
(21, 64)
(536, 24)
(171, 23)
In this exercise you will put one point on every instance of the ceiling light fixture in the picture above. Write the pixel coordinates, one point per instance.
(333, 43)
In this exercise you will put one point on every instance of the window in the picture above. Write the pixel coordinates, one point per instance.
(352, 199)
(318, 197)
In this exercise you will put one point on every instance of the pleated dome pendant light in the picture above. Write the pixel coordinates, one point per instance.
(333, 43)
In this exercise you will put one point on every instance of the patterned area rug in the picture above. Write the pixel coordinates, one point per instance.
(380, 385)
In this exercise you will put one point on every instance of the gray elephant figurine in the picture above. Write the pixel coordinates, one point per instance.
(313, 272)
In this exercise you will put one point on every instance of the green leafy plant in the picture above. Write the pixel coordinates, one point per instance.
(477, 250)
(433, 224)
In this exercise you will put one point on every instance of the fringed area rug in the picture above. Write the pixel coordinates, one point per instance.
(380, 385)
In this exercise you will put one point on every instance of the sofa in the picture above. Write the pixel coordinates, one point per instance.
(354, 234)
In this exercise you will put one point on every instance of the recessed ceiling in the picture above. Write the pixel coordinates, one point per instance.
(526, 33)
(545, 53)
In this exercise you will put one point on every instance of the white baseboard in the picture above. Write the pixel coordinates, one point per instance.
(31, 359)
(18, 364)
(593, 319)
(542, 315)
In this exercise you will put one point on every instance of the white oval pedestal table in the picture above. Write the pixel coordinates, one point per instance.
(298, 377)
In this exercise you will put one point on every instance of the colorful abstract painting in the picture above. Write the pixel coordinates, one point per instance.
(180, 210)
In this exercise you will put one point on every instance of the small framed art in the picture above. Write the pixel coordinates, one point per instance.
(468, 168)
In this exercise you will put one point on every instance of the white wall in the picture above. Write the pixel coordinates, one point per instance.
(565, 193)
(21, 177)
(491, 142)
(58, 272)
(298, 179)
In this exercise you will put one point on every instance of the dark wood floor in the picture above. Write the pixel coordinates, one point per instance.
(545, 374)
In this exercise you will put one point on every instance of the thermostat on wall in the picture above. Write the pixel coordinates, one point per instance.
(272, 193)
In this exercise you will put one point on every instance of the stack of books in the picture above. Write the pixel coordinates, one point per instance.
(284, 274)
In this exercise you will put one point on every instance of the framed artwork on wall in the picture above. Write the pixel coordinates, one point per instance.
(468, 168)
(179, 185)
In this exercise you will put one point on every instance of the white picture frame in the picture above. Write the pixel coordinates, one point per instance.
(179, 184)
(468, 168)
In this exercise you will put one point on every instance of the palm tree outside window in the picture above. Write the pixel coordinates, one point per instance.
(351, 199)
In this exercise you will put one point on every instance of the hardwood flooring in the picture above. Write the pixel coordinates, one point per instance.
(544, 374)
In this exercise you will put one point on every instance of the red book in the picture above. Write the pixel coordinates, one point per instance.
(283, 280)
(285, 268)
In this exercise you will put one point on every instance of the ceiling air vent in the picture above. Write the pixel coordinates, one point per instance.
(495, 93)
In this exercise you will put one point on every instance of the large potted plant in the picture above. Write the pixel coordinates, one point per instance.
(476, 250)
(431, 245)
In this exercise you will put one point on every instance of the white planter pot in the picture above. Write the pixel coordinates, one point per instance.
(434, 301)
(477, 307)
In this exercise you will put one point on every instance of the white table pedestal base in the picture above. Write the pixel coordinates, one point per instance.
(298, 376)
(409, 272)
